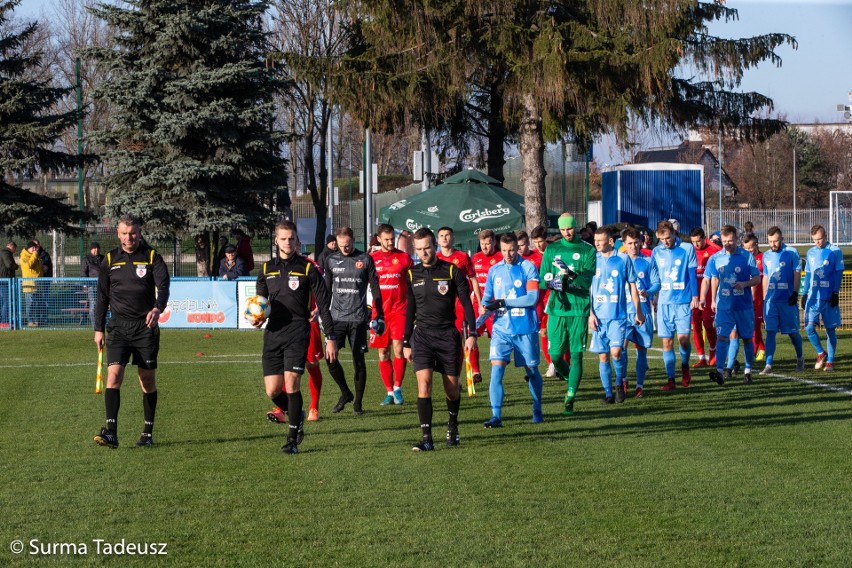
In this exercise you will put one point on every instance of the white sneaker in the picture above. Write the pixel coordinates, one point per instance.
(551, 371)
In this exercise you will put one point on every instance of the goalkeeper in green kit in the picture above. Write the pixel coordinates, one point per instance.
(567, 269)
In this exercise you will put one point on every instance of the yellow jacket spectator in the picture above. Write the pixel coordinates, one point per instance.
(31, 267)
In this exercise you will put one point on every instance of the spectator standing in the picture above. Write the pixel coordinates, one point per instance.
(31, 267)
(91, 268)
(8, 267)
(243, 246)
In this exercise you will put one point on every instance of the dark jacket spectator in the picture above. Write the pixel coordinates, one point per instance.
(244, 248)
(231, 266)
(329, 248)
(91, 266)
(46, 263)
(8, 267)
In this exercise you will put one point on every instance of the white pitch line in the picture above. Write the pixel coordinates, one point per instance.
(813, 383)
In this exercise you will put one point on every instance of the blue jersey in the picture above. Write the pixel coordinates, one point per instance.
(612, 274)
(509, 282)
(730, 268)
(648, 280)
(677, 267)
(823, 272)
(781, 268)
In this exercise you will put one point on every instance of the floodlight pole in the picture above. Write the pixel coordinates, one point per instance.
(80, 152)
(795, 233)
(427, 159)
(720, 177)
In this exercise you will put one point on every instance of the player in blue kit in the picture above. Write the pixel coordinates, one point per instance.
(676, 264)
(732, 272)
(511, 292)
(614, 276)
(782, 270)
(823, 274)
(647, 286)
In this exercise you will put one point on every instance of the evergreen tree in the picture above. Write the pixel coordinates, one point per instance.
(29, 127)
(580, 67)
(192, 150)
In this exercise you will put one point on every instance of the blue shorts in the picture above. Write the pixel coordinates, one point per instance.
(642, 335)
(778, 316)
(816, 308)
(526, 347)
(673, 318)
(741, 320)
(610, 333)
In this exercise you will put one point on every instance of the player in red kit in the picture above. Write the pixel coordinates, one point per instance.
(446, 239)
(392, 265)
(704, 249)
(487, 257)
(750, 244)
(539, 241)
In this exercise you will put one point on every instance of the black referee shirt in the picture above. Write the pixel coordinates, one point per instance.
(131, 284)
(289, 285)
(432, 293)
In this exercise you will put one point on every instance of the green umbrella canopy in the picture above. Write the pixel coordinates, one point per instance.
(468, 201)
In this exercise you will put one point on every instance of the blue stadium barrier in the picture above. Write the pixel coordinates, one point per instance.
(7, 303)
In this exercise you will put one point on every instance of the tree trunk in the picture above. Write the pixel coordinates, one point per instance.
(532, 158)
(496, 131)
(202, 254)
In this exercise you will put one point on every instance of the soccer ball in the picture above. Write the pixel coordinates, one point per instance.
(256, 310)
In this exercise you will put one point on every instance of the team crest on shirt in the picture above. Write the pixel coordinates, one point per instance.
(455, 261)
(737, 269)
(641, 274)
(576, 256)
(706, 255)
(517, 283)
(395, 261)
(492, 261)
(294, 283)
(498, 282)
(614, 272)
(443, 286)
(359, 264)
(141, 271)
(677, 262)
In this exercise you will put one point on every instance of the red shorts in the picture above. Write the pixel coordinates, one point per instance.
(316, 350)
(394, 331)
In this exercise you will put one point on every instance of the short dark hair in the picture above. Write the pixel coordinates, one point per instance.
(486, 234)
(698, 232)
(539, 232)
(520, 235)
(444, 228)
(424, 233)
(632, 233)
(127, 219)
(384, 228)
(286, 226)
(509, 238)
(31, 244)
(816, 229)
(344, 232)
(750, 237)
(728, 230)
(774, 231)
(604, 231)
(665, 226)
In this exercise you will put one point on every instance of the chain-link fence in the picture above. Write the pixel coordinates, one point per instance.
(796, 225)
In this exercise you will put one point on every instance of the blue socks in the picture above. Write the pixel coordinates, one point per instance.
(832, 343)
(641, 367)
(495, 389)
(606, 377)
(813, 336)
(535, 384)
(748, 351)
(733, 349)
(723, 345)
(770, 346)
(669, 361)
(620, 365)
(684, 354)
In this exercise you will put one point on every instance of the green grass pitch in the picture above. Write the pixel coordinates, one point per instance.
(757, 475)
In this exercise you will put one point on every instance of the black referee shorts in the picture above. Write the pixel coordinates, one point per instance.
(356, 332)
(285, 349)
(132, 337)
(438, 349)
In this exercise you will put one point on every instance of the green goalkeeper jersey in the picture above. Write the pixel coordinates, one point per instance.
(580, 257)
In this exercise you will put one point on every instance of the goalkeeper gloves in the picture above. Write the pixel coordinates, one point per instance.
(555, 284)
(804, 300)
(564, 271)
(377, 326)
(794, 297)
(494, 305)
(834, 300)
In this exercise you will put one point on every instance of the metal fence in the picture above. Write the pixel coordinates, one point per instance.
(796, 225)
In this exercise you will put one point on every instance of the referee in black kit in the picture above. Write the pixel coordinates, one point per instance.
(133, 284)
(431, 340)
(289, 281)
